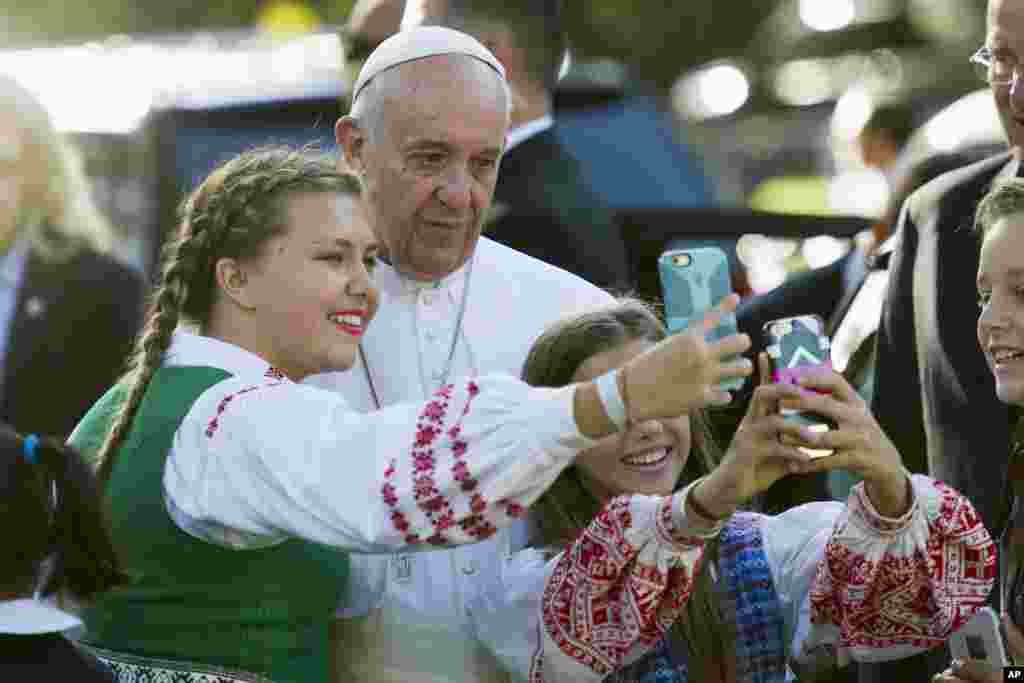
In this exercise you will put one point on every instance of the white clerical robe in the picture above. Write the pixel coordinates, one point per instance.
(406, 614)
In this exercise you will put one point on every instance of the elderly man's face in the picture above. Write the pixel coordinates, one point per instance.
(430, 167)
(1006, 37)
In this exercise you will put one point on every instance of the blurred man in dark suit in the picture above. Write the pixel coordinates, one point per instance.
(68, 312)
(934, 394)
(543, 206)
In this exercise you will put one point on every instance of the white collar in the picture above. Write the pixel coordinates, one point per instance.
(522, 133)
(391, 282)
(30, 617)
(188, 348)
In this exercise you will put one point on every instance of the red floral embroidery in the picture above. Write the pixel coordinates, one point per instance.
(434, 411)
(425, 490)
(917, 597)
(600, 600)
(425, 436)
(399, 520)
(214, 423)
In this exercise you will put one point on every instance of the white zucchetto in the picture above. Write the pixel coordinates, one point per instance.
(420, 42)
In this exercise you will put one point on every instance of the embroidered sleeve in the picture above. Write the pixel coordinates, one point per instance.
(614, 593)
(273, 459)
(888, 588)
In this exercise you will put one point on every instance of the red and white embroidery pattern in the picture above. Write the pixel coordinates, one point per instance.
(607, 595)
(903, 594)
(433, 441)
(214, 423)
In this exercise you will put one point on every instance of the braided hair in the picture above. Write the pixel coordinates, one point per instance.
(231, 214)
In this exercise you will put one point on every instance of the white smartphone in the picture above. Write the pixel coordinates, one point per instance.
(980, 638)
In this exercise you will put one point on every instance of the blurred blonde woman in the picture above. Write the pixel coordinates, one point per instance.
(76, 309)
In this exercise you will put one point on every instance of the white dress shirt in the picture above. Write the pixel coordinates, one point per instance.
(419, 601)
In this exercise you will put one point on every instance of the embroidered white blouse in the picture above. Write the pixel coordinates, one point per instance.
(419, 599)
(259, 459)
(880, 588)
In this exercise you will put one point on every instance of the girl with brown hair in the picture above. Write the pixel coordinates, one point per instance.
(644, 570)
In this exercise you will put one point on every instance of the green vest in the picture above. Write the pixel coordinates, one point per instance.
(263, 610)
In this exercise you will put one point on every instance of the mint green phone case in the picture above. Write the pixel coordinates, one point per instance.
(692, 282)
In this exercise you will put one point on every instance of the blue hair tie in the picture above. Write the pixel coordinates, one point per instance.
(28, 448)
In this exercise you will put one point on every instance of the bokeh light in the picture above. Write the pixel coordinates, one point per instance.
(827, 15)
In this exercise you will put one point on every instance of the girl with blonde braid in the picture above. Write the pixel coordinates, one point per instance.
(235, 491)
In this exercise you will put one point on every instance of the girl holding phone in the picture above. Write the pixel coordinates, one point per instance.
(644, 569)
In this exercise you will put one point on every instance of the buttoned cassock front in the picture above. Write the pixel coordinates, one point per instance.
(406, 614)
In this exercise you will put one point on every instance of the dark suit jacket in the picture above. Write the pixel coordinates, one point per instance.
(70, 335)
(934, 394)
(552, 214)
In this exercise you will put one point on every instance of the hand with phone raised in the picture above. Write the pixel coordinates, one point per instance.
(857, 442)
(683, 372)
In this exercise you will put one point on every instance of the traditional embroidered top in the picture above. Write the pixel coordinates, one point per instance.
(749, 603)
(259, 459)
(843, 575)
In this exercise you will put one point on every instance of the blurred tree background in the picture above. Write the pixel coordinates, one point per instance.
(657, 39)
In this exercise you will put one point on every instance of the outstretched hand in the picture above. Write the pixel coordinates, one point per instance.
(681, 374)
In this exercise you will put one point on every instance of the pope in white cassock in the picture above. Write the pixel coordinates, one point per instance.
(426, 145)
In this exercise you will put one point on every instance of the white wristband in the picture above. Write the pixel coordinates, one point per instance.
(611, 399)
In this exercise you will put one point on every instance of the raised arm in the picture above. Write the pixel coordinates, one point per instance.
(255, 463)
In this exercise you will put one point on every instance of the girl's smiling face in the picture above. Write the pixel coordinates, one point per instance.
(648, 458)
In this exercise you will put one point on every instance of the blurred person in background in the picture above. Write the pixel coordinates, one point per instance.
(57, 544)
(544, 205)
(368, 24)
(68, 310)
(425, 137)
(882, 143)
(933, 391)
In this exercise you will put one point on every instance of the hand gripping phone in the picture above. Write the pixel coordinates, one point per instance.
(692, 282)
(796, 346)
(980, 638)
